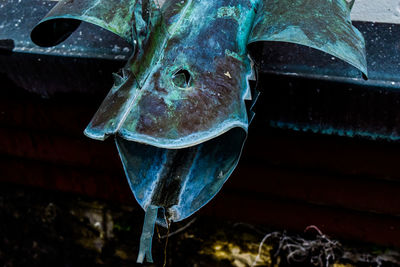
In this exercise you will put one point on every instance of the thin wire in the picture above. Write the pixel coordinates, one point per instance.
(166, 242)
(179, 230)
(260, 249)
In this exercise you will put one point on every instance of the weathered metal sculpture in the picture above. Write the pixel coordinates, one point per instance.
(177, 109)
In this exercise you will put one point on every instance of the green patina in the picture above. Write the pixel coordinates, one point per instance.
(323, 25)
(229, 11)
(178, 108)
(233, 54)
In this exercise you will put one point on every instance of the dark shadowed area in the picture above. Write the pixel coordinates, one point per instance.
(43, 228)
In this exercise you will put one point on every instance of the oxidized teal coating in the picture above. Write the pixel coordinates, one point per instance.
(115, 16)
(157, 110)
(180, 181)
(323, 25)
(177, 108)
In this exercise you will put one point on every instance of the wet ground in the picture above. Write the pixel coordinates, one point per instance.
(42, 228)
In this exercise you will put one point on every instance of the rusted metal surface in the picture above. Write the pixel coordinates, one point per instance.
(178, 106)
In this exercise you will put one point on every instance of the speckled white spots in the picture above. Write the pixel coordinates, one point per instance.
(116, 49)
(228, 12)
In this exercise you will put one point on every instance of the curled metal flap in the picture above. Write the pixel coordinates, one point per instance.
(115, 16)
(180, 181)
(321, 24)
(191, 78)
(177, 182)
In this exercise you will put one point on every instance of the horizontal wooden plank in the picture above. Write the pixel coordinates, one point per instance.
(296, 216)
(313, 185)
(232, 204)
(110, 185)
(68, 115)
(348, 187)
(346, 192)
(328, 154)
(58, 148)
(336, 155)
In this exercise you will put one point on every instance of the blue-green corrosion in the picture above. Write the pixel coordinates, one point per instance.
(177, 108)
(161, 110)
(323, 25)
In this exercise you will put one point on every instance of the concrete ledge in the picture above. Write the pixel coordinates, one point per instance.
(384, 11)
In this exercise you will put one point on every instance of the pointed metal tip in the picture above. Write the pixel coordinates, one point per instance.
(147, 235)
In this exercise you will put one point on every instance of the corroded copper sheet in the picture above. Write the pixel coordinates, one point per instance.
(322, 24)
(188, 77)
(192, 77)
(180, 181)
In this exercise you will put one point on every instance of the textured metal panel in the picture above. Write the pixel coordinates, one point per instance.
(150, 104)
(180, 180)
